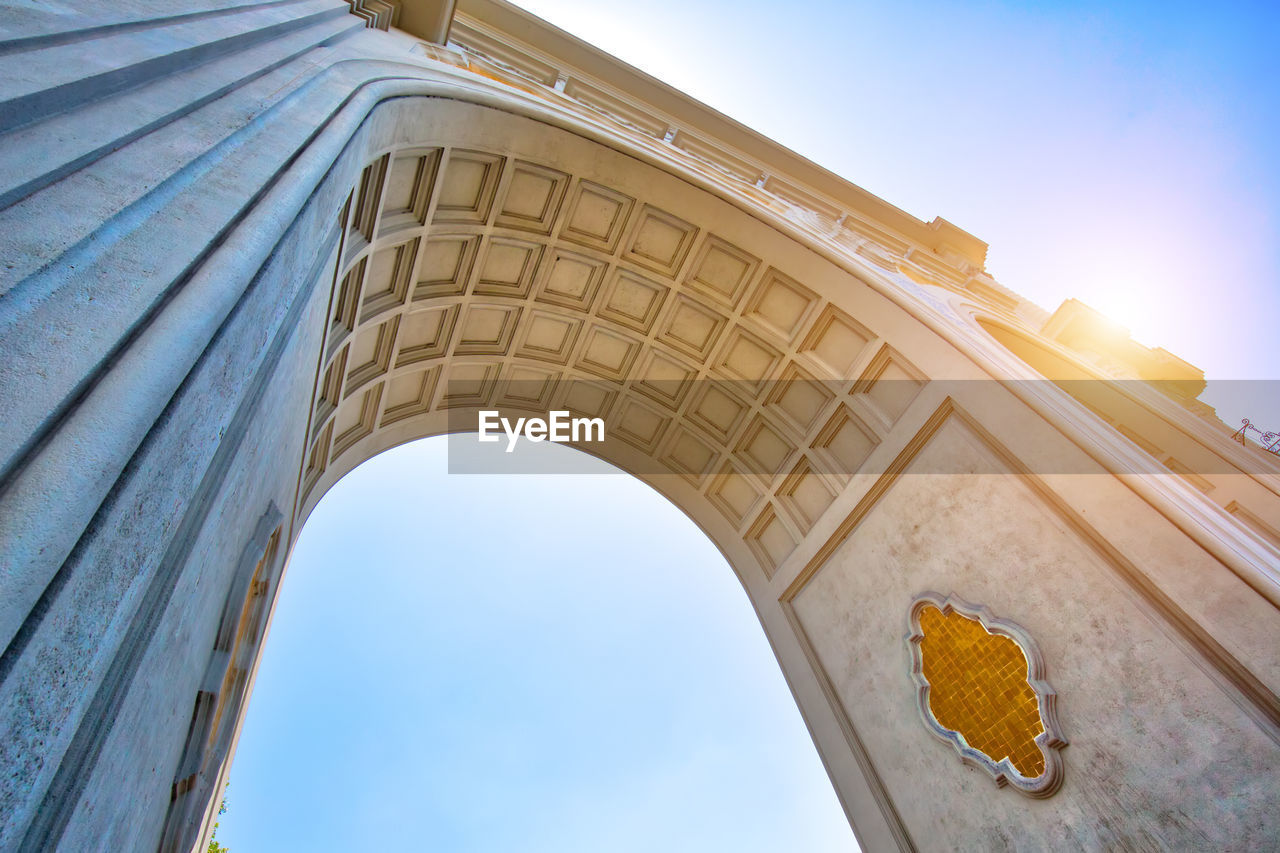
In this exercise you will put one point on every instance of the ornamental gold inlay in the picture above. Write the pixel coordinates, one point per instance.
(978, 687)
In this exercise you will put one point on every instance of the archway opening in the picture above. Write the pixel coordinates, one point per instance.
(518, 662)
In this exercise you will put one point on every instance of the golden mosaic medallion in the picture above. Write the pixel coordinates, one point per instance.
(981, 688)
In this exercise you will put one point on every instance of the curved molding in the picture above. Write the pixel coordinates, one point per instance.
(1050, 741)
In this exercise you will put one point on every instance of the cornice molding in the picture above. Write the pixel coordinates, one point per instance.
(484, 25)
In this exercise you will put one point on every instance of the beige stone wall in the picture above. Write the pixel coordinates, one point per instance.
(1131, 699)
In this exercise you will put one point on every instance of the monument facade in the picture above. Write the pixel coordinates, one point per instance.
(1023, 586)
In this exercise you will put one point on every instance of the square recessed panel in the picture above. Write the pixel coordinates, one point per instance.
(688, 455)
(342, 319)
(446, 266)
(747, 358)
(370, 354)
(632, 301)
(388, 282)
(836, 342)
(805, 495)
(570, 281)
(639, 425)
(329, 393)
(781, 305)
(734, 494)
(347, 205)
(532, 199)
(469, 384)
(799, 398)
(356, 420)
(548, 336)
(486, 329)
(508, 267)
(770, 540)
(364, 212)
(408, 192)
(888, 385)
(410, 394)
(584, 398)
(722, 270)
(845, 443)
(529, 388)
(660, 241)
(763, 450)
(692, 327)
(717, 410)
(467, 187)
(425, 334)
(608, 353)
(596, 217)
(664, 378)
(317, 459)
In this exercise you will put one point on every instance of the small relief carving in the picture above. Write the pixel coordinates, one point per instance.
(981, 688)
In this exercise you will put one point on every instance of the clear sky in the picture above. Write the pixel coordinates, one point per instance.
(587, 675)
(518, 663)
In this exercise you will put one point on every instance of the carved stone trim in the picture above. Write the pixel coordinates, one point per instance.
(377, 14)
(1050, 741)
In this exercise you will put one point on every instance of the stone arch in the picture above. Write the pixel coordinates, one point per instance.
(174, 317)
(757, 488)
(747, 385)
(792, 371)
(750, 385)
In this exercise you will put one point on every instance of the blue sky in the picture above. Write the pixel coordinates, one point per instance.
(558, 663)
(533, 663)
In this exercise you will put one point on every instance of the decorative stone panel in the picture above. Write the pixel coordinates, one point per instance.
(981, 689)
